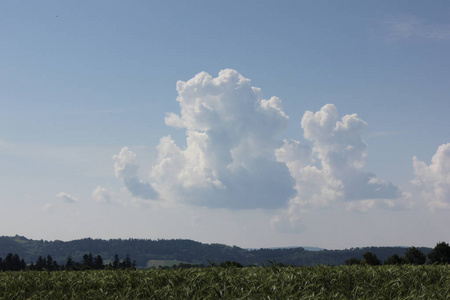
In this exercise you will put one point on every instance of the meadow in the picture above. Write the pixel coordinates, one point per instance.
(272, 282)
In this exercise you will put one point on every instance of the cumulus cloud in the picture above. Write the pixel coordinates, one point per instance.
(315, 186)
(341, 153)
(330, 170)
(231, 136)
(126, 170)
(67, 197)
(234, 156)
(434, 179)
(101, 195)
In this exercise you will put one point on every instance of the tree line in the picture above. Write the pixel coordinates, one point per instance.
(439, 255)
(12, 262)
(190, 253)
(186, 251)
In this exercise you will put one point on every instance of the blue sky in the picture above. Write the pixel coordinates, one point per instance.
(286, 164)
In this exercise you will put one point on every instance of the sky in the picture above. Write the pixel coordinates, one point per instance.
(247, 123)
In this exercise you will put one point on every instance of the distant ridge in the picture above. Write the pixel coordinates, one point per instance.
(313, 248)
(149, 253)
(290, 247)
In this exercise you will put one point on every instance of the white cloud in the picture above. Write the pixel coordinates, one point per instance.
(330, 171)
(434, 179)
(315, 187)
(342, 151)
(101, 195)
(234, 157)
(126, 170)
(231, 135)
(47, 206)
(67, 197)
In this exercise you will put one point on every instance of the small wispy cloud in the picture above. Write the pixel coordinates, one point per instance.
(47, 206)
(101, 195)
(67, 197)
(408, 26)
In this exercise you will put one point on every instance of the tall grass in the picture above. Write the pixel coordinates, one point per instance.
(320, 282)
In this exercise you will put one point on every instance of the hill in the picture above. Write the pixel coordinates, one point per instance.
(148, 252)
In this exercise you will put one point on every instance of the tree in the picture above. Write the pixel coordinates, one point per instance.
(395, 260)
(116, 262)
(69, 263)
(23, 265)
(16, 263)
(98, 263)
(40, 264)
(415, 257)
(352, 261)
(230, 264)
(51, 264)
(12, 263)
(126, 263)
(440, 254)
(371, 259)
(88, 261)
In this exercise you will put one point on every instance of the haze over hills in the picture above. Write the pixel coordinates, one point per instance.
(291, 247)
(149, 253)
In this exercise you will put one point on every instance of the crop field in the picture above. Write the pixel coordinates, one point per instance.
(320, 282)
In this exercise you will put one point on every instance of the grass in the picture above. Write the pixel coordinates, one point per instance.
(320, 282)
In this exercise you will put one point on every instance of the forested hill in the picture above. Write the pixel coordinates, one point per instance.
(148, 253)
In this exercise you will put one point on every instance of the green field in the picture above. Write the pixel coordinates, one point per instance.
(320, 282)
